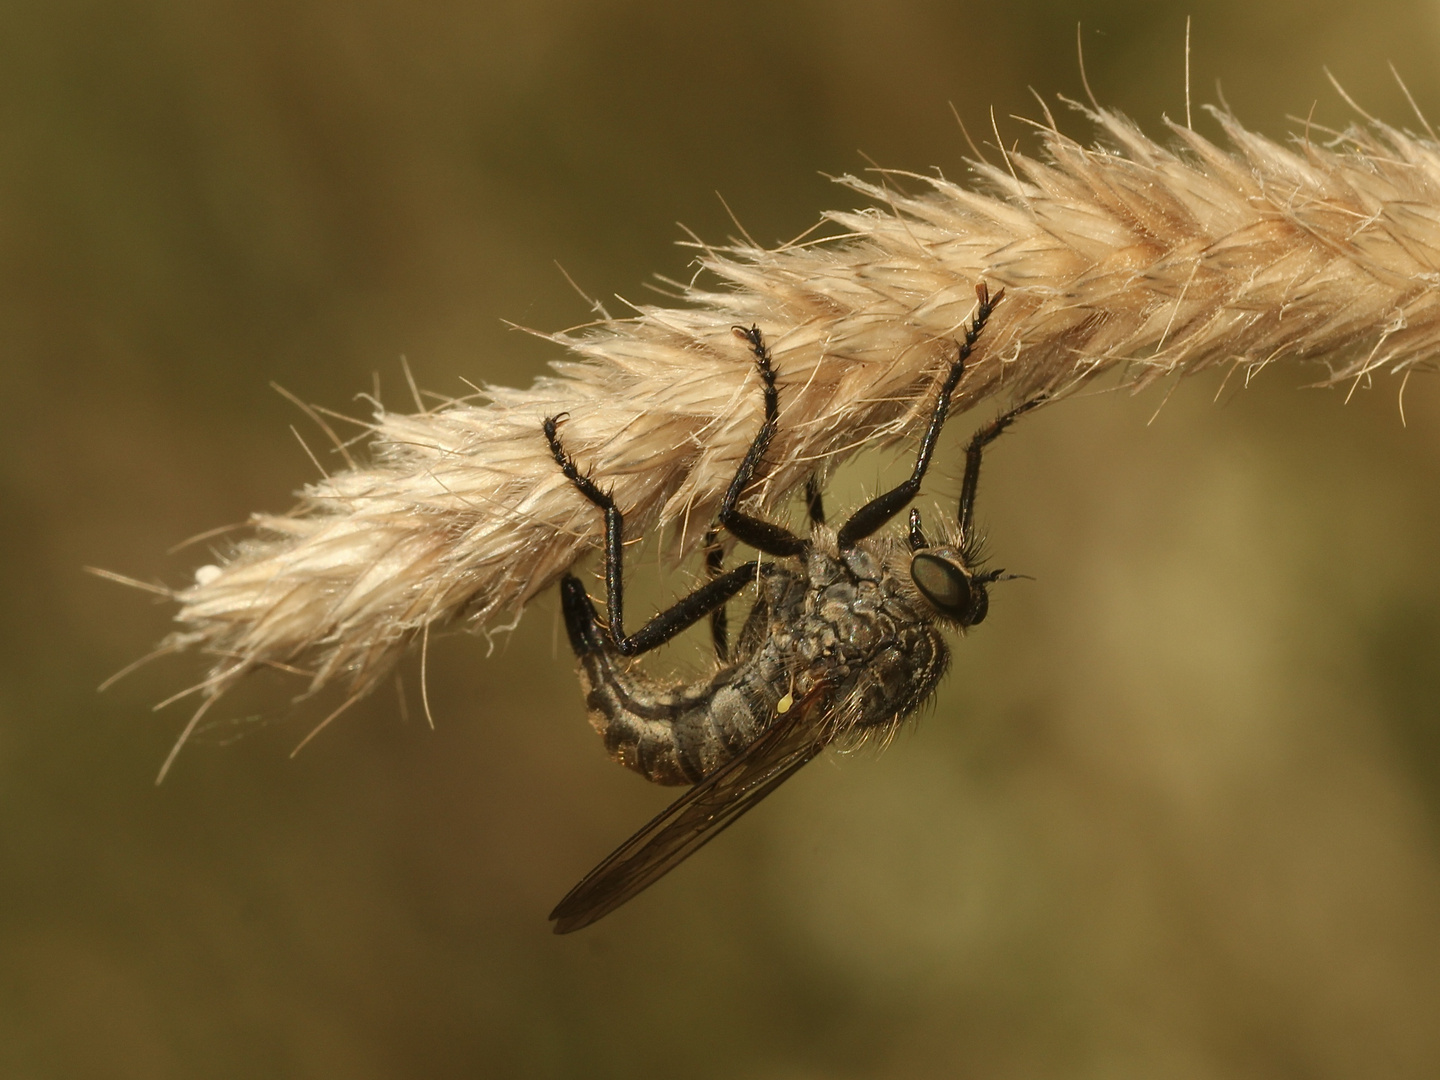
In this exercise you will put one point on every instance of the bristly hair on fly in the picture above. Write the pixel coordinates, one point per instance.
(1132, 256)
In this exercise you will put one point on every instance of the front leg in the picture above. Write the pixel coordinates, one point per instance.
(882, 508)
(978, 442)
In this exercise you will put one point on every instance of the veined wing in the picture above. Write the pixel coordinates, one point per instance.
(698, 816)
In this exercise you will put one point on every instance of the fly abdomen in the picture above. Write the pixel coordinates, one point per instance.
(674, 736)
(635, 719)
(681, 734)
(717, 729)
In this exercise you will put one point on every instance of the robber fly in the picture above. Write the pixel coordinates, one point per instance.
(843, 643)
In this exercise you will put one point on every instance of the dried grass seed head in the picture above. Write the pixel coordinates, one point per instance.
(1161, 261)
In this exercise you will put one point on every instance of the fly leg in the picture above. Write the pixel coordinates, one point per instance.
(814, 502)
(978, 442)
(719, 622)
(715, 561)
(882, 508)
(580, 619)
(761, 535)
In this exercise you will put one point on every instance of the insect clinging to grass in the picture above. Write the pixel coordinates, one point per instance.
(844, 641)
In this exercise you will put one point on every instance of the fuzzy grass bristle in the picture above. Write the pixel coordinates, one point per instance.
(1156, 260)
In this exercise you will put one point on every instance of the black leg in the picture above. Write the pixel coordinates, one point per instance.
(719, 623)
(580, 618)
(614, 525)
(814, 502)
(583, 623)
(981, 439)
(761, 535)
(882, 508)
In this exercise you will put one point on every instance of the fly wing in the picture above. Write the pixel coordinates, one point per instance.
(697, 817)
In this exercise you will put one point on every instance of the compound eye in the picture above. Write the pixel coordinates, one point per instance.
(946, 586)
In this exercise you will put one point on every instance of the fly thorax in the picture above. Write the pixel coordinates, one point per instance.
(823, 566)
(865, 563)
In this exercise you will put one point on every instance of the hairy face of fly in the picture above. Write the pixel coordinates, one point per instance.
(945, 578)
(955, 592)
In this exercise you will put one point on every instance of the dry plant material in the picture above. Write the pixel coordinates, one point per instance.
(1154, 260)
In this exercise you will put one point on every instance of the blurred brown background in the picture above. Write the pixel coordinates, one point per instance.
(1176, 813)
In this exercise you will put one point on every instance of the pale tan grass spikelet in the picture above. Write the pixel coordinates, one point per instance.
(1164, 260)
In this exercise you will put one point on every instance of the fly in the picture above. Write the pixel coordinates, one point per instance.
(843, 643)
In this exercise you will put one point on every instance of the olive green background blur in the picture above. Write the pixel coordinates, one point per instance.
(1176, 812)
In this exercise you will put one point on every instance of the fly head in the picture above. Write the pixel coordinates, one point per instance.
(944, 575)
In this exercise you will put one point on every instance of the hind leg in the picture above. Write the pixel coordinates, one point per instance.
(581, 621)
